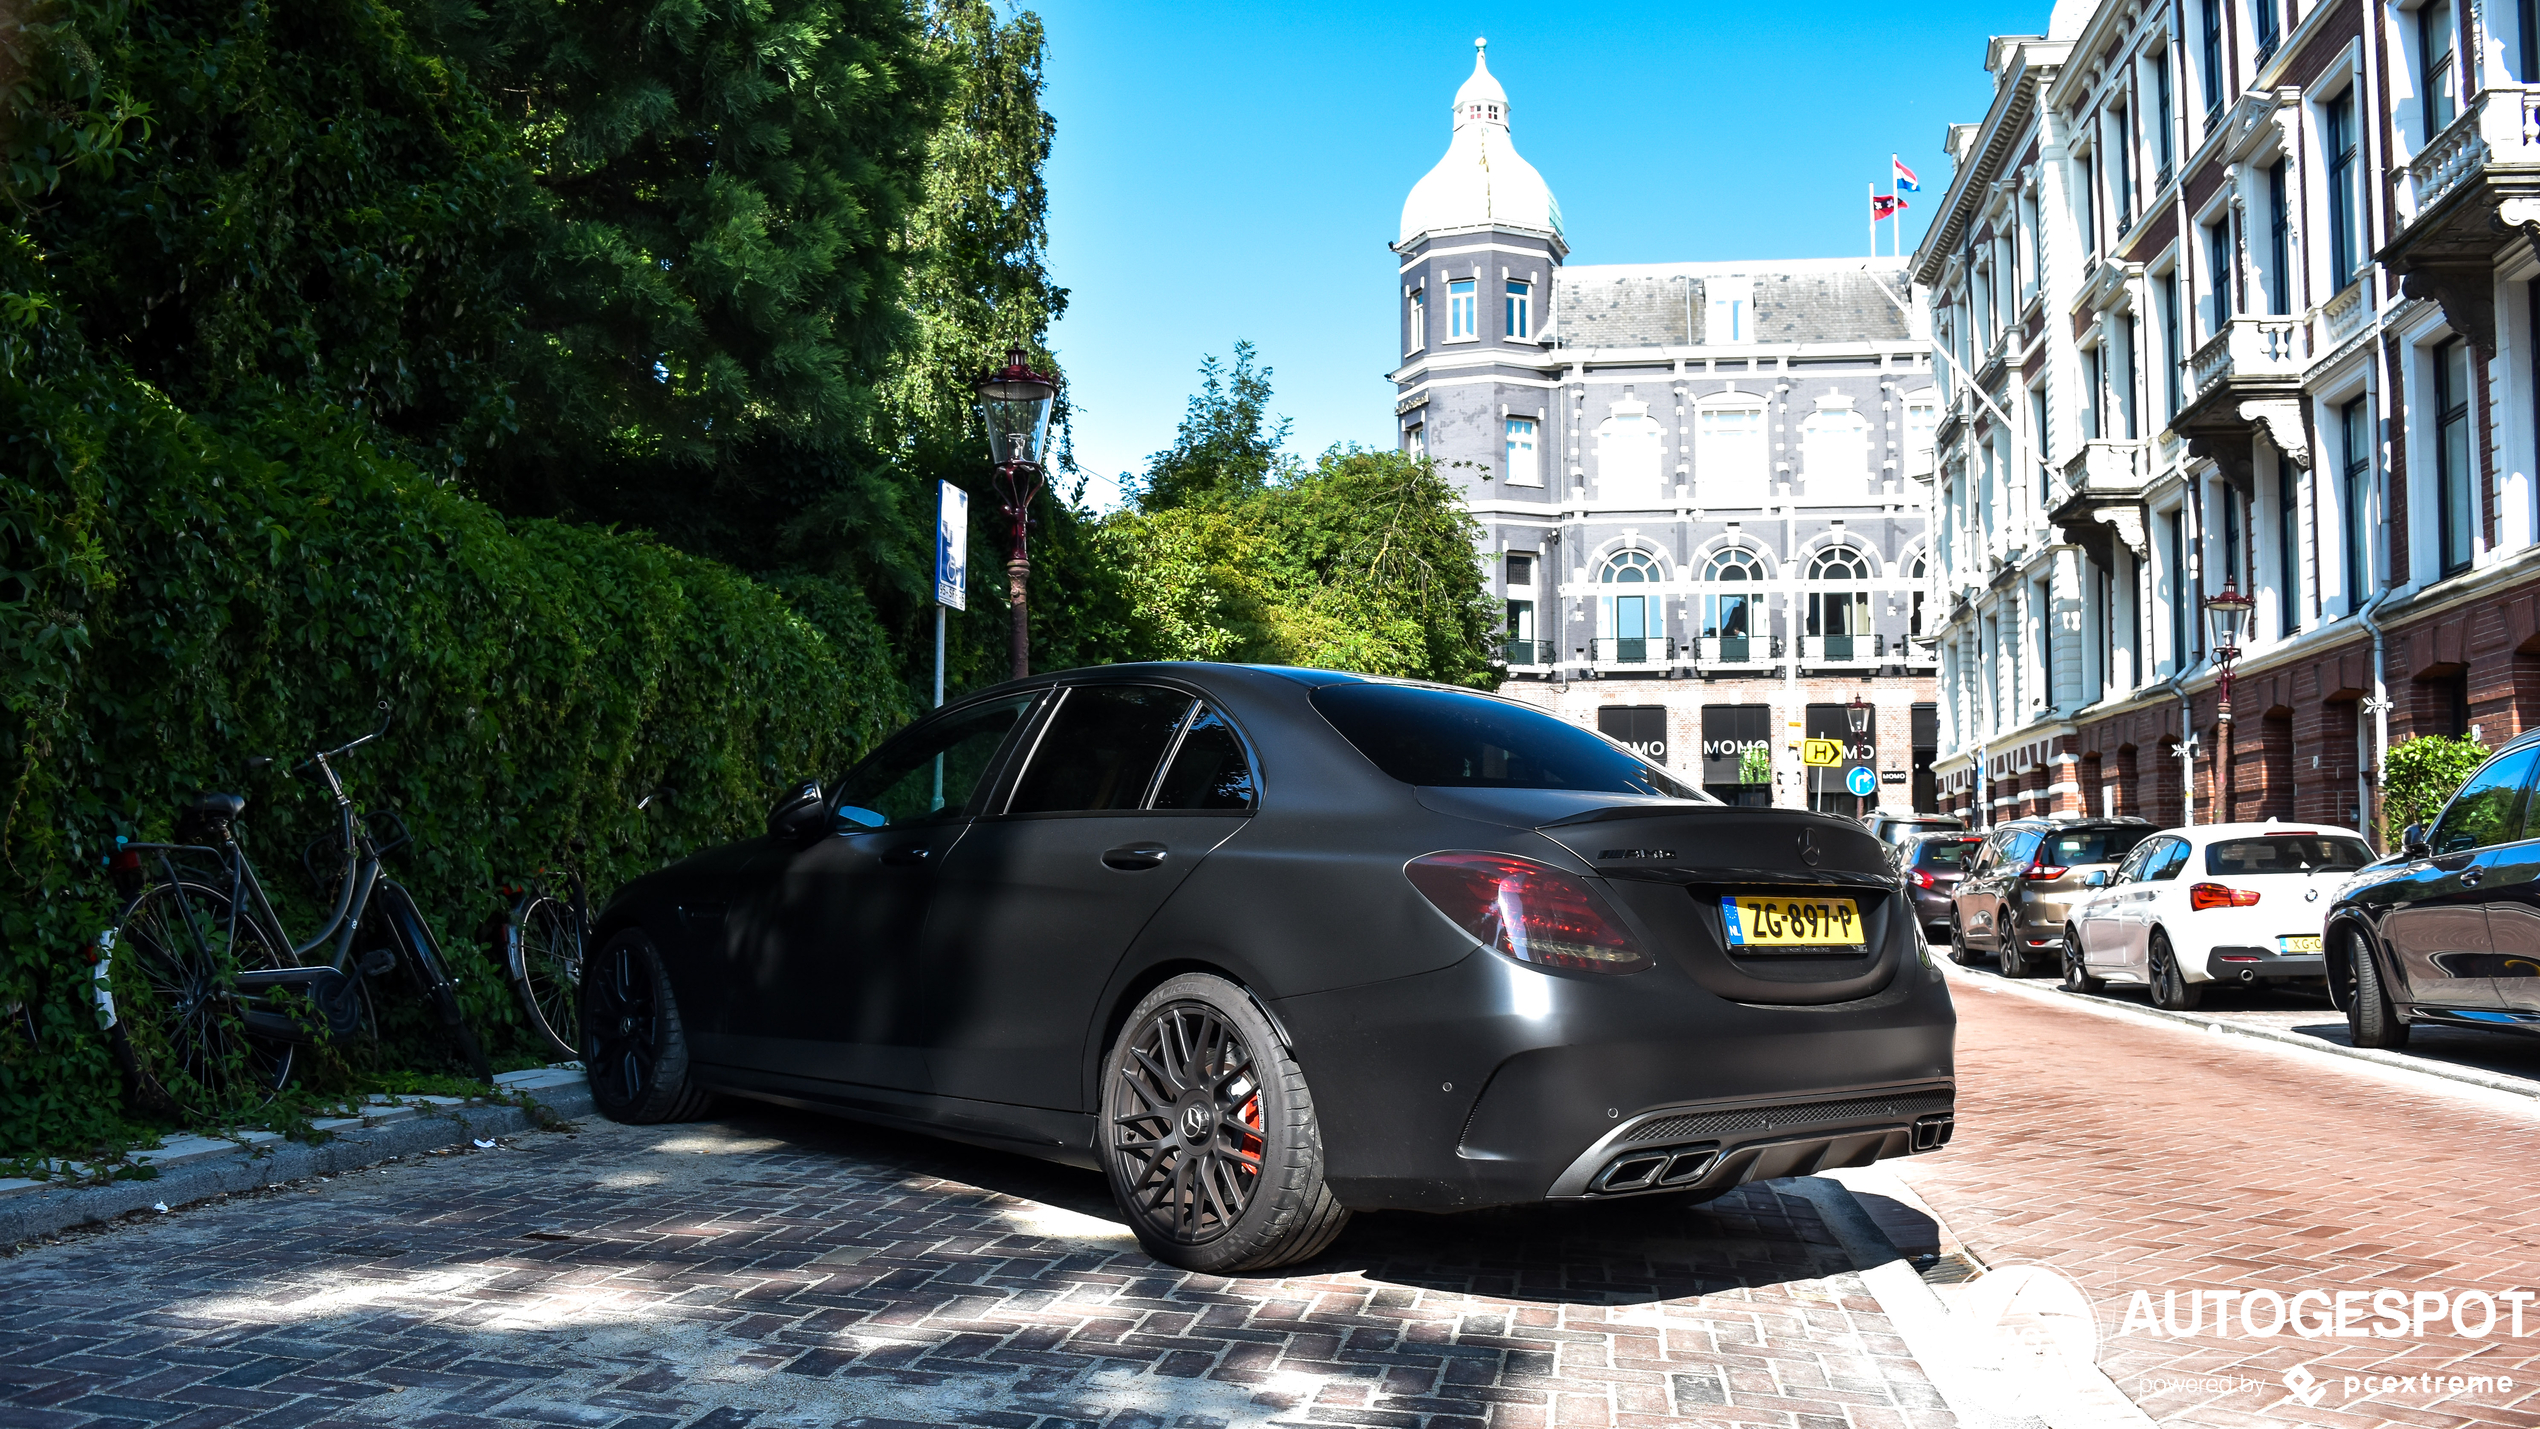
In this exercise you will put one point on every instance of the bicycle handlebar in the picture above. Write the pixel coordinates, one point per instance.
(323, 755)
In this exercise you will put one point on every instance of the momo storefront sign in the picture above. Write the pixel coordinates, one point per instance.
(1642, 728)
(1728, 732)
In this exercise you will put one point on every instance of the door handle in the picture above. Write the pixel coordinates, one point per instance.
(1130, 858)
(2470, 877)
(908, 857)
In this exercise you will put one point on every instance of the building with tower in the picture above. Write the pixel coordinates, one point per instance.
(1702, 486)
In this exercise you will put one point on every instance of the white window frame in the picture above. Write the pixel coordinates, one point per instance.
(1463, 309)
(1530, 473)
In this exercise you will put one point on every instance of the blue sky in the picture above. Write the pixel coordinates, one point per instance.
(1235, 171)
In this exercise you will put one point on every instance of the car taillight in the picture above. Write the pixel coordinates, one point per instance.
(1528, 911)
(1922, 879)
(2045, 871)
(2201, 896)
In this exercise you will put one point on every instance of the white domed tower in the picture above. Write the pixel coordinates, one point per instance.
(1480, 246)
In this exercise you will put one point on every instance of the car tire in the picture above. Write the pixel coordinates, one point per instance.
(633, 1043)
(1201, 1104)
(2171, 991)
(2009, 950)
(2077, 977)
(2372, 1020)
(1959, 952)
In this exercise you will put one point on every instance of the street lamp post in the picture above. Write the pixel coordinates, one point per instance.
(1857, 715)
(2228, 611)
(1015, 403)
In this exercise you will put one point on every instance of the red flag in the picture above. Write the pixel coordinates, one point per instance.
(1886, 206)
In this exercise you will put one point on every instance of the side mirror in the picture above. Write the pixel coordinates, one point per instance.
(796, 814)
(2096, 878)
(2412, 842)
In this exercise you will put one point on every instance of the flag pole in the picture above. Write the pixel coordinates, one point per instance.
(1874, 220)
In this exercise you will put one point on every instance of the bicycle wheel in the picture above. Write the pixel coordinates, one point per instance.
(423, 960)
(178, 1028)
(546, 967)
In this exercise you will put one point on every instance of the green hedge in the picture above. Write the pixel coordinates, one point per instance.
(177, 596)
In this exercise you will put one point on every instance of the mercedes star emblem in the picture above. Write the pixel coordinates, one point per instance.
(1808, 847)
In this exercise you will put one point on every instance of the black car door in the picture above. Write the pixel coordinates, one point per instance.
(831, 940)
(2438, 927)
(1126, 789)
(2511, 882)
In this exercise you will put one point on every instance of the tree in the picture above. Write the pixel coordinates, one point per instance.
(1227, 447)
(2419, 775)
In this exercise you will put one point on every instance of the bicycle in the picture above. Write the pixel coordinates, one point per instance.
(202, 993)
(543, 941)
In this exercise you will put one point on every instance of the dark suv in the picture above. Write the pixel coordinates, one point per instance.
(2448, 930)
(2012, 899)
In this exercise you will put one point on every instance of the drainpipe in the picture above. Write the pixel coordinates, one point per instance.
(2379, 704)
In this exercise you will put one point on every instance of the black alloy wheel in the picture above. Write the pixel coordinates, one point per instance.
(2077, 976)
(2171, 991)
(1959, 952)
(1210, 1140)
(2006, 940)
(632, 1042)
(2372, 1019)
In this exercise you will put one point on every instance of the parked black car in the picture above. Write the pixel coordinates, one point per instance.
(2012, 900)
(1931, 865)
(2448, 929)
(1268, 946)
(1898, 830)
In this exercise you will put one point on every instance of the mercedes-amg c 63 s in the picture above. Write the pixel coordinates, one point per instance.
(1267, 946)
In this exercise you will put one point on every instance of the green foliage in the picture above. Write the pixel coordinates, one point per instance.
(1227, 447)
(2419, 775)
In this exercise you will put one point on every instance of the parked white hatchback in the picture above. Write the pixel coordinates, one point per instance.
(2224, 903)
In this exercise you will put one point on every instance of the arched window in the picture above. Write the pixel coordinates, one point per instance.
(1834, 450)
(1729, 451)
(1628, 604)
(1630, 449)
(1839, 598)
(1917, 626)
(1732, 601)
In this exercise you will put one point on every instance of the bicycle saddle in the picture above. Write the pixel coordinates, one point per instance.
(217, 808)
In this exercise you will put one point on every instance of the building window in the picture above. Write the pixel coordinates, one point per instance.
(1731, 604)
(2434, 70)
(1626, 611)
(1419, 324)
(2212, 55)
(2041, 607)
(2086, 212)
(2269, 28)
(2288, 551)
(2344, 215)
(2094, 401)
(1630, 452)
(2173, 360)
(2161, 115)
(2527, 38)
(2279, 241)
(1918, 576)
(1522, 470)
(1834, 450)
(1460, 320)
(1520, 318)
(1415, 440)
(2454, 481)
(1521, 570)
(2218, 275)
(2129, 374)
(1839, 606)
(2231, 537)
(1922, 418)
(2123, 178)
(2174, 585)
(1728, 310)
(2040, 435)
(1729, 455)
(2355, 430)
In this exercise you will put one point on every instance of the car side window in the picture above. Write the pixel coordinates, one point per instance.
(2021, 849)
(2166, 861)
(2131, 871)
(2488, 809)
(932, 772)
(1208, 770)
(1100, 750)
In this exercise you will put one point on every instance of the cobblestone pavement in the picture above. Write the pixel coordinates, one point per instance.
(2138, 1158)
(779, 1269)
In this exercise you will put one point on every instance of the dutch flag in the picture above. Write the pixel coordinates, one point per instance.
(1905, 181)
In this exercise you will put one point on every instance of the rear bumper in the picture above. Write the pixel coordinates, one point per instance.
(1488, 1083)
(2228, 964)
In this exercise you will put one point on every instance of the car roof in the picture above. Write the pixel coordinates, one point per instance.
(2207, 833)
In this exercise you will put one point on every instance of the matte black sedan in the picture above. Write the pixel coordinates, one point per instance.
(1268, 946)
(2447, 930)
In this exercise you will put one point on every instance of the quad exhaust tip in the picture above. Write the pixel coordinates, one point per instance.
(1933, 1132)
(1657, 1166)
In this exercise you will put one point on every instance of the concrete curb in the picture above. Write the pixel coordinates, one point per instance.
(197, 1168)
(2055, 993)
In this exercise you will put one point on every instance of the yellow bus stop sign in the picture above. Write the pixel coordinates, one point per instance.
(1821, 753)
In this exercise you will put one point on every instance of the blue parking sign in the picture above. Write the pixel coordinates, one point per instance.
(1861, 781)
(952, 546)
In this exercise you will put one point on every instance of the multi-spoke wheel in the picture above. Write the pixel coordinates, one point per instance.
(180, 1028)
(2170, 988)
(1209, 1135)
(2077, 974)
(632, 1041)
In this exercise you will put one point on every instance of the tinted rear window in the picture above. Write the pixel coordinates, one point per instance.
(1443, 737)
(1946, 853)
(2286, 853)
(2090, 846)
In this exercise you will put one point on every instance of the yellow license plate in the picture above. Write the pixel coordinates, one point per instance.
(2299, 943)
(1766, 922)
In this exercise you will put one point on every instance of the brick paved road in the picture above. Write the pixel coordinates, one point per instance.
(2161, 1159)
(776, 1269)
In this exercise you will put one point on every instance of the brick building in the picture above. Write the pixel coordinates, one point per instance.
(1696, 481)
(2236, 293)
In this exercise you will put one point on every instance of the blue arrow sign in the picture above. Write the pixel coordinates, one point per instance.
(1861, 781)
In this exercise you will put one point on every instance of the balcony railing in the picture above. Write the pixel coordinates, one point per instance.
(1736, 650)
(1649, 651)
(2344, 316)
(1843, 649)
(2246, 347)
(1529, 654)
(2102, 468)
(2500, 126)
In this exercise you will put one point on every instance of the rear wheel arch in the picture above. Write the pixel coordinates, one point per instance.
(1124, 1000)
